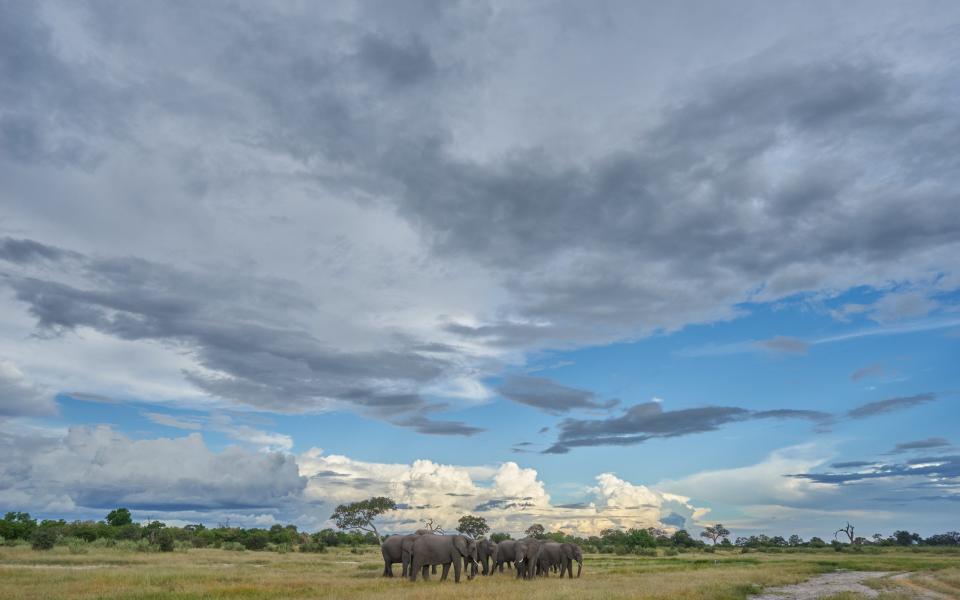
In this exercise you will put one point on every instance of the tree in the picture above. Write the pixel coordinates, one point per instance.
(17, 525)
(905, 538)
(715, 532)
(119, 516)
(795, 540)
(536, 531)
(437, 529)
(475, 527)
(848, 531)
(43, 539)
(359, 516)
(499, 537)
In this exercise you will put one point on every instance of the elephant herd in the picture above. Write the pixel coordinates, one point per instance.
(424, 549)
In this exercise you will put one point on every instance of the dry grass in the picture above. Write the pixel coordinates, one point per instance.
(109, 573)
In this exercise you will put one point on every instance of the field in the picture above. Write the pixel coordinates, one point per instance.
(212, 573)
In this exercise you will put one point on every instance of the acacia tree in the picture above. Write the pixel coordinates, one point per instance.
(359, 516)
(715, 532)
(475, 527)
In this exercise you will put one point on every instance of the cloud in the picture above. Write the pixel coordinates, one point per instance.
(942, 469)
(890, 405)
(509, 496)
(642, 422)
(549, 396)
(853, 464)
(172, 421)
(933, 442)
(874, 370)
(784, 344)
(99, 468)
(21, 398)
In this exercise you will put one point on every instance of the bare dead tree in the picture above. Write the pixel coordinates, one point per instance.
(848, 531)
(434, 528)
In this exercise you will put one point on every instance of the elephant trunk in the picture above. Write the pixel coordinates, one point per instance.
(579, 567)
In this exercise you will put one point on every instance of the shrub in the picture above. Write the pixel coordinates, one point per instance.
(313, 547)
(645, 551)
(671, 552)
(104, 543)
(78, 546)
(356, 550)
(257, 540)
(43, 539)
(165, 540)
(236, 546)
(144, 546)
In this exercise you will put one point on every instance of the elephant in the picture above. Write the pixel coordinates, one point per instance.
(392, 551)
(572, 552)
(443, 550)
(407, 551)
(552, 557)
(528, 557)
(506, 554)
(487, 552)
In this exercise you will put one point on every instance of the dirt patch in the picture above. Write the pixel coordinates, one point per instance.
(825, 585)
(53, 567)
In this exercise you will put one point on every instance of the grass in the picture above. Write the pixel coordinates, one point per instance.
(118, 573)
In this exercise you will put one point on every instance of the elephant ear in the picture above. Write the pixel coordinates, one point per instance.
(460, 543)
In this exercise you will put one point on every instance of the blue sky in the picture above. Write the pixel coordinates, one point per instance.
(618, 265)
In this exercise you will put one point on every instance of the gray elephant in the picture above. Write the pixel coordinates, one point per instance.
(552, 557)
(506, 554)
(528, 557)
(442, 550)
(392, 552)
(487, 553)
(572, 552)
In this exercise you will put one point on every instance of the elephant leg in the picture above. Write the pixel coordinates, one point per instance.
(425, 572)
(433, 569)
(445, 571)
(414, 567)
(456, 570)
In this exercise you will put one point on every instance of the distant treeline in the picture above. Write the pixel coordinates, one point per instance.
(119, 530)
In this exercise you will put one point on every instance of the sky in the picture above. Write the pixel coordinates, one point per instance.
(590, 265)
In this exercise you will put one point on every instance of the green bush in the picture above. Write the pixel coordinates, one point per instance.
(165, 540)
(236, 546)
(645, 551)
(104, 543)
(312, 546)
(256, 540)
(43, 539)
(144, 546)
(671, 552)
(78, 546)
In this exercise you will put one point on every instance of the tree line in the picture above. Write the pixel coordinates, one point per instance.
(356, 527)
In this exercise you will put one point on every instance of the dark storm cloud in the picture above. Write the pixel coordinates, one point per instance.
(873, 370)
(568, 222)
(852, 464)
(934, 442)
(26, 251)
(262, 365)
(401, 63)
(549, 396)
(426, 425)
(646, 421)
(890, 405)
(940, 468)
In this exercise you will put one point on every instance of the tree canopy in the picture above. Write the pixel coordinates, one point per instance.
(475, 527)
(359, 516)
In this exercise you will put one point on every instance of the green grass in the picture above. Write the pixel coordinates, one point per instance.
(102, 573)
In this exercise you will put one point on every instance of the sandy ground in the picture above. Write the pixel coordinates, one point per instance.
(825, 585)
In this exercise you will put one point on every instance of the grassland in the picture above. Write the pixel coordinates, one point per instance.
(221, 574)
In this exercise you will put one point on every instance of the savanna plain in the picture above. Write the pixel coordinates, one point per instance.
(26, 574)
